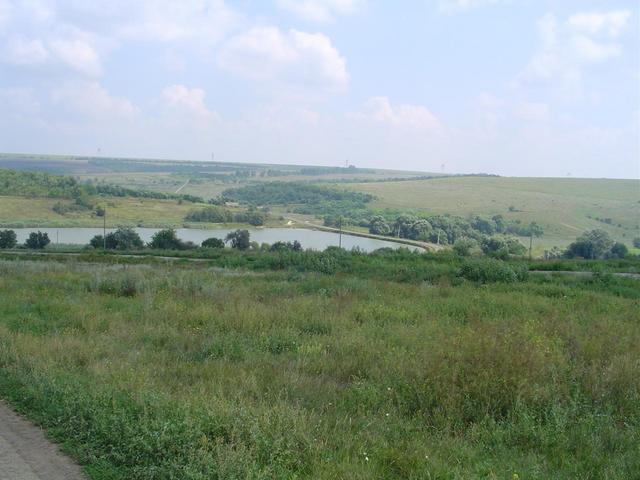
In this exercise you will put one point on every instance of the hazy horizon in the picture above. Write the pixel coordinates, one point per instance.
(506, 87)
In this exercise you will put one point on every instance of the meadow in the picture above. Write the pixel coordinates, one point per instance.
(190, 371)
(564, 207)
(16, 211)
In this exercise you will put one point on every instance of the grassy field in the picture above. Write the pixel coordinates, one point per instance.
(38, 212)
(154, 372)
(561, 206)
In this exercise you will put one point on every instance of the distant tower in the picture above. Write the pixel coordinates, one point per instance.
(212, 156)
(442, 168)
(99, 151)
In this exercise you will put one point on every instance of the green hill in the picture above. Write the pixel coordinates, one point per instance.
(565, 207)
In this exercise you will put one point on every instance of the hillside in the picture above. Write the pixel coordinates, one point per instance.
(564, 207)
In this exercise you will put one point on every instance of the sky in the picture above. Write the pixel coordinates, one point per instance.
(509, 87)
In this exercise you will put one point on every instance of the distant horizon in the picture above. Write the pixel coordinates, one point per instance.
(249, 163)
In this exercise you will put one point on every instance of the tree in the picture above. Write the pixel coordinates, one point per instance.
(591, 244)
(619, 250)
(280, 246)
(463, 246)
(483, 225)
(37, 240)
(97, 241)
(240, 239)
(166, 240)
(213, 242)
(379, 226)
(124, 238)
(501, 247)
(8, 239)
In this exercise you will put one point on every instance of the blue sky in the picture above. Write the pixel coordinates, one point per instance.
(512, 87)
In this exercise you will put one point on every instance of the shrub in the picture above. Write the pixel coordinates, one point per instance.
(463, 246)
(592, 244)
(8, 239)
(213, 242)
(167, 240)
(240, 239)
(619, 250)
(210, 214)
(37, 240)
(488, 270)
(636, 242)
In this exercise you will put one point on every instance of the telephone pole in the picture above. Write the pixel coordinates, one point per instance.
(340, 233)
(104, 228)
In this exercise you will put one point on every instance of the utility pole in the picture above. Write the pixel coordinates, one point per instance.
(530, 242)
(104, 228)
(340, 234)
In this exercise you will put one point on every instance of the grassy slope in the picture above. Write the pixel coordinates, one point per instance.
(204, 375)
(22, 211)
(562, 206)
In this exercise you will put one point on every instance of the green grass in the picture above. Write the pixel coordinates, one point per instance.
(183, 371)
(121, 211)
(562, 206)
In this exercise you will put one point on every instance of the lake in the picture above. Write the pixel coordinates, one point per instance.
(310, 239)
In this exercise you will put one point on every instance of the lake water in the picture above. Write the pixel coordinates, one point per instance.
(313, 239)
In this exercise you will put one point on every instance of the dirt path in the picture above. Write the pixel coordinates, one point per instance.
(25, 453)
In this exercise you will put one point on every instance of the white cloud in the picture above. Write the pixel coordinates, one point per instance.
(79, 34)
(565, 49)
(90, 99)
(24, 51)
(78, 54)
(457, 6)
(611, 23)
(5, 13)
(187, 99)
(320, 11)
(18, 102)
(169, 21)
(406, 116)
(532, 111)
(307, 60)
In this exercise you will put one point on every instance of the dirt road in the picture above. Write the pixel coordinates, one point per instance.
(25, 453)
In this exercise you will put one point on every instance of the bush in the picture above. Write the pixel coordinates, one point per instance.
(294, 246)
(37, 240)
(491, 270)
(8, 239)
(619, 250)
(167, 240)
(210, 214)
(213, 242)
(240, 239)
(592, 244)
(463, 246)
(636, 242)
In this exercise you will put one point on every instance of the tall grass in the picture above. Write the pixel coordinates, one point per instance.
(151, 371)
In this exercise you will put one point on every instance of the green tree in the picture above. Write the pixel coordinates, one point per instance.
(463, 246)
(239, 239)
(213, 242)
(379, 226)
(592, 244)
(97, 241)
(37, 240)
(124, 238)
(618, 250)
(8, 239)
(166, 240)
